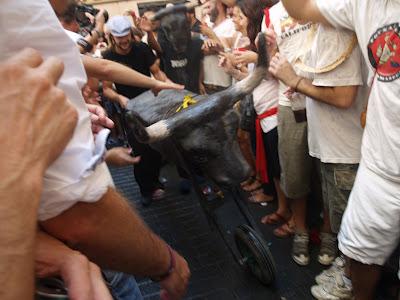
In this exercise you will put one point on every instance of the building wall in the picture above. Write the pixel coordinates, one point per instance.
(119, 7)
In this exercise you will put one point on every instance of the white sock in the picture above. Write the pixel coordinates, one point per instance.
(347, 282)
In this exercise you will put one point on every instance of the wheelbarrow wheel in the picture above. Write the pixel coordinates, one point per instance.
(254, 254)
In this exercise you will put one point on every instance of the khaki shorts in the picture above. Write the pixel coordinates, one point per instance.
(337, 181)
(296, 163)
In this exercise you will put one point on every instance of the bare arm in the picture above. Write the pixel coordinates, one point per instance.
(157, 73)
(82, 278)
(340, 96)
(112, 95)
(153, 43)
(305, 10)
(104, 69)
(111, 233)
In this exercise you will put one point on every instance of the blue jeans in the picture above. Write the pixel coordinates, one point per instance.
(122, 286)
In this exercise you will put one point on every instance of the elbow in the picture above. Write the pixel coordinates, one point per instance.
(345, 102)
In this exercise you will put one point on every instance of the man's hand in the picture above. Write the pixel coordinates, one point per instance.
(244, 57)
(270, 35)
(39, 119)
(174, 286)
(82, 278)
(99, 118)
(168, 85)
(120, 157)
(283, 70)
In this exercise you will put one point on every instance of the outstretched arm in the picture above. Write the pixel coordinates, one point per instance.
(305, 10)
(104, 69)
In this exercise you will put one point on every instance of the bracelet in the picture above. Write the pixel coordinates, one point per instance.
(87, 47)
(171, 267)
(298, 83)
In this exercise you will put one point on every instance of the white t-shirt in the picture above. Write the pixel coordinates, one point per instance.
(334, 134)
(79, 173)
(213, 74)
(265, 97)
(291, 36)
(376, 24)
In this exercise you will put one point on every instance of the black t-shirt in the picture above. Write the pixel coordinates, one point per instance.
(140, 58)
(182, 68)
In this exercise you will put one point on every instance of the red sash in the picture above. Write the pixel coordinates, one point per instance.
(261, 157)
(267, 19)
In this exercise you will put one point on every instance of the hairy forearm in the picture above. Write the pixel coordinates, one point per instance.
(305, 10)
(108, 70)
(111, 234)
(110, 94)
(341, 97)
(18, 214)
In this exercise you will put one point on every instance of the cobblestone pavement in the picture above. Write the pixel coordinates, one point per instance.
(182, 223)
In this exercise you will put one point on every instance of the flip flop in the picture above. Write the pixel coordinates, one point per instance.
(274, 218)
(284, 231)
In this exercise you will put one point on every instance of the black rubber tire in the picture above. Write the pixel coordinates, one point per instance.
(253, 248)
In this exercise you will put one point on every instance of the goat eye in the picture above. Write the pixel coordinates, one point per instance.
(200, 159)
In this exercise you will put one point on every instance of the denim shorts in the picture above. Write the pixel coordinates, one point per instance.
(122, 286)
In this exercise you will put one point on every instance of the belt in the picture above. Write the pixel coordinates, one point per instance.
(261, 157)
(300, 115)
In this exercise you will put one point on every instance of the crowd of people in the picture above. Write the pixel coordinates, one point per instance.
(307, 122)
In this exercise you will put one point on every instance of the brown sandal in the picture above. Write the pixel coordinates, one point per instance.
(254, 185)
(258, 196)
(284, 231)
(274, 218)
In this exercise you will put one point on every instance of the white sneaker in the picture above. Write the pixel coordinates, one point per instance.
(328, 250)
(333, 291)
(329, 275)
(300, 252)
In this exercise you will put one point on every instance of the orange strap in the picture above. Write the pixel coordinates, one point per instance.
(261, 157)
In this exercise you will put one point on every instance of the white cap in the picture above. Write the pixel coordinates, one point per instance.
(119, 26)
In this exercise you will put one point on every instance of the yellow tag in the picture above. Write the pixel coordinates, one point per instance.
(188, 100)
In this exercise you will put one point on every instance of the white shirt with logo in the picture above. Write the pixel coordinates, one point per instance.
(376, 24)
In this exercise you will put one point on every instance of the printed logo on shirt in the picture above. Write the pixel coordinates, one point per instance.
(288, 27)
(384, 52)
(179, 63)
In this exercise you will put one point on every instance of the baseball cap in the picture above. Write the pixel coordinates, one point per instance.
(119, 26)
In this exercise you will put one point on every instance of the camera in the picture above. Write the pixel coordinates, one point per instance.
(83, 21)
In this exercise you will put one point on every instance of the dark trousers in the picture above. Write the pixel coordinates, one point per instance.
(147, 171)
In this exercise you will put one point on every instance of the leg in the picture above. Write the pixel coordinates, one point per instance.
(365, 279)
(147, 170)
(370, 229)
(299, 209)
